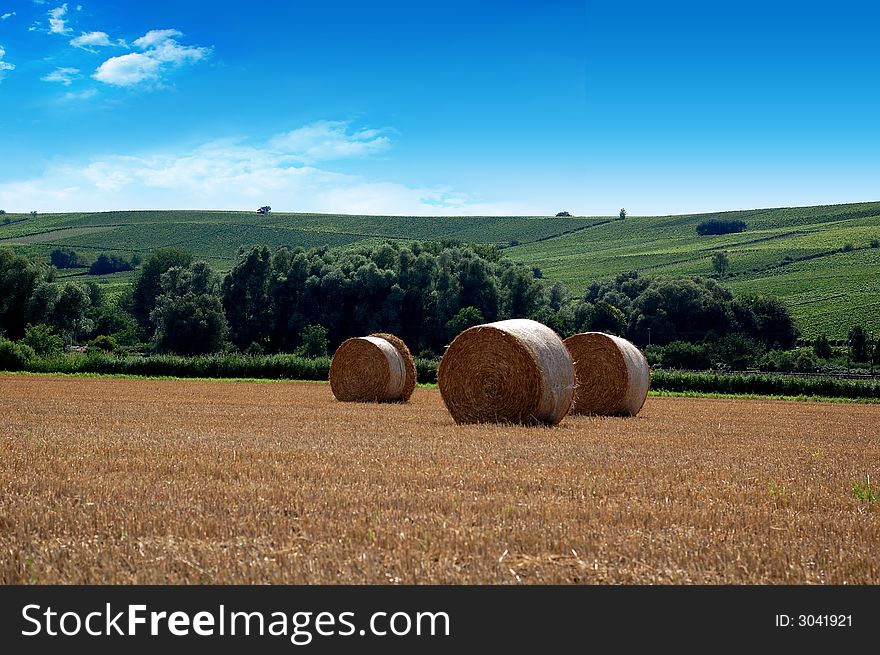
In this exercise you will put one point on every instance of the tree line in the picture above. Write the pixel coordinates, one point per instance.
(309, 301)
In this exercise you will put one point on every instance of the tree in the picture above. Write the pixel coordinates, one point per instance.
(246, 296)
(19, 276)
(563, 215)
(148, 284)
(66, 258)
(858, 344)
(313, 342)
(467, 317)
(821, 347)
(606, 318)
(622, 213)
(720, 263)
(43, 340)
(265, 209)
(70, 317)
(106, 264)
(776, 329)
(188, 313)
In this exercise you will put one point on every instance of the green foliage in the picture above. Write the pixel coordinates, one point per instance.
(858, 344)
(43, 340)
(605, 317)
(103, 343)
(864, 491)
(680, 355)
(768, 384)
(802, 360)
(720, 263)
(19, 276)
(875, 243)
(188, 314)
(735, 352)
(246, 296)
(14, 356)
(66, 258)
(313, 342)
(821, 347)
(848, 247)
(148, 284)
(466, 317)
(106, 264)
(112, 320)
(716, 226)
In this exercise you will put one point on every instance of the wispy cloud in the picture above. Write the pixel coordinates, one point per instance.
(7, 15)
(64, 76)
(327, 140)
(71, 96)
(91, 40)
(4, 65)
(57, 22)
(161, 51)
(231, 174)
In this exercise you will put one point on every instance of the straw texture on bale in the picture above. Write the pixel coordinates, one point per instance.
(612, 374)
(408, 362)
(515, 371)
(367, 369)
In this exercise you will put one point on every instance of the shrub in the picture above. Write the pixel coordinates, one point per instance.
(43, 340)
(103, 343)
(875, 243)
(15, 356)
(848, 247)
(680, 354)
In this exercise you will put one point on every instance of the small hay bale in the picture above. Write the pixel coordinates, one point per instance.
(613, 375)
(408, 362)
(515, 371)
(367, 369)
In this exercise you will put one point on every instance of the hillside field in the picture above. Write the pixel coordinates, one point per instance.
(818, 260)
(201, 482)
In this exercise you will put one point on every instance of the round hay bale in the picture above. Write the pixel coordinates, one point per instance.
(613, 375)
(408, 362)
(367, 369)
(515, 371)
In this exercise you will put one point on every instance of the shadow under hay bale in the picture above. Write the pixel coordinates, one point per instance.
(515, 371)
(372, 369)
(613, 376)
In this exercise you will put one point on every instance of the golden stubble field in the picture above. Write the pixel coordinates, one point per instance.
(151, 481)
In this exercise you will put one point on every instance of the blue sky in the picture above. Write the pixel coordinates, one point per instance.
(438, 107)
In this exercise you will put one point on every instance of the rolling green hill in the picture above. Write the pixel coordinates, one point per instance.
(819, 260)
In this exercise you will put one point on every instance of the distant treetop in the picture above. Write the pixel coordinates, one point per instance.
(265, 209)
(563, 214)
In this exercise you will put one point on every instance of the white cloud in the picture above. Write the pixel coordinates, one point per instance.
(90, 40)
(81, 95)
(230, 175)
(160, 50)
(4, 65)
(7, 15)
(57, 22)
(156, 37)
(63, 75)
(329, 140)
(128, 70)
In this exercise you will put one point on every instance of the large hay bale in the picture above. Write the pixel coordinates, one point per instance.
(515, 371)
(367, 369)
(613, 375)
(408, 362)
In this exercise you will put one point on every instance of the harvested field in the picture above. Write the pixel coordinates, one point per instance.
(148, 481)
